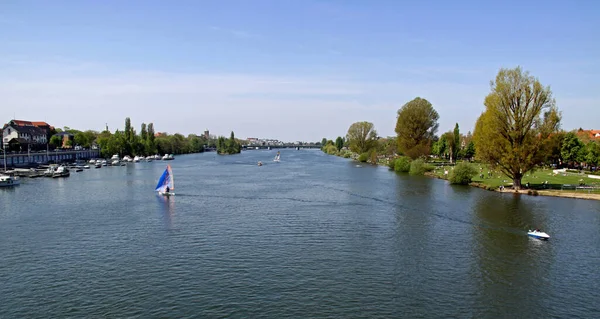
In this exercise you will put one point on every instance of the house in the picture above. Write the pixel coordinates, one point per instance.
(21, 135)
(587, 135)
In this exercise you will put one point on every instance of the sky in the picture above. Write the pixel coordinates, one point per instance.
(287, 69)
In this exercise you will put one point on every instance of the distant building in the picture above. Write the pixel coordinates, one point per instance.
(206, 134)
(65, 138)
(20, 135)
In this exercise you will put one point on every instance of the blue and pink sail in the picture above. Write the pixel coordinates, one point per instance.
(166, 180)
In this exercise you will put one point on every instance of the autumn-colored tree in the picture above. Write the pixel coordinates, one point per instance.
(416, 126)
(520, 114)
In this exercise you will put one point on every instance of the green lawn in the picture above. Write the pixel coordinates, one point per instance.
(539, 179)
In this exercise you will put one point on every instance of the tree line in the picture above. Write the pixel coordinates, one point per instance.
(129, 142)
(518, 130)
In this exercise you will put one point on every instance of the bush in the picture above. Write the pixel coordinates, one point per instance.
(462, 173)
(363, 157)
(330, 149)
(347, 154)
(392, 163)
(417, 167)
(402, 164)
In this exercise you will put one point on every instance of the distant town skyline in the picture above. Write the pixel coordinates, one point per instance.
(293, 71)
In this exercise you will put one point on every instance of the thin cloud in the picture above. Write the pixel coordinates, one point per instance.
(240, 34)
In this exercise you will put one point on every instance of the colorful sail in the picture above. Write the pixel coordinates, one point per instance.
(166, 180)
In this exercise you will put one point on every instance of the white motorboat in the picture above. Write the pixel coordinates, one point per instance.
(61, 171)
(92, 161)
(126, 158)
(9, 181)
(167, 157)
(115, 158)
(538, 234)
(115, 163)
(104, 163)
(136, 159)
(50, 171)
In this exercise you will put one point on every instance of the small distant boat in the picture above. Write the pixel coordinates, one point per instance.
(9, 181)
(259, 163)
(277, 157)
(92, 161)
(136, 159)
(168, 157)
(166, 183)
(115, 163)
(126, 158)
(98, 165)
(86, 166)
(536, 233)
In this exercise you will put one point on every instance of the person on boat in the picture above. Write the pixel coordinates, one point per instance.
(168, 189)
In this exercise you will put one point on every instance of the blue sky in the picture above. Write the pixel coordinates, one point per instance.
(293, 70)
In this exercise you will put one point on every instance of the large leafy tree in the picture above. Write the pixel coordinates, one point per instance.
(520, 114)
(416, 127)
(451, 145)
(361, 137)
(572, 149)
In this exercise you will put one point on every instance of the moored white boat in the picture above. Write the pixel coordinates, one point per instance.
(536, 233)
(9, 181)
(61, 171)
(136, 159)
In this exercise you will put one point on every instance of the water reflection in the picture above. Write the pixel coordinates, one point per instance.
(166, 209)
(511, 267)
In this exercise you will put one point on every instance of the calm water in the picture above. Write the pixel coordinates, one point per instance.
(311, 237)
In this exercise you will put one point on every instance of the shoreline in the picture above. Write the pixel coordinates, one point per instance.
(548, 193)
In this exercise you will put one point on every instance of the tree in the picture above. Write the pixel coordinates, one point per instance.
(416, 127)
(55, 141)
(339, 143)
(520, 114)
(552, 148)
(323, 141)
(144, 133)
(593, 154)
(361, 137)
(451, 147)
(456, 148)
(572, 149)
(470, 150)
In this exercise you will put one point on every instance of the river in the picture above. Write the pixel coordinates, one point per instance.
(313, 236)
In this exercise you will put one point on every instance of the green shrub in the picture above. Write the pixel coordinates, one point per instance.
(330, 149)
(402, 164)
(417, 167)
(462, 173)
(392, 163)
(363, 157)
(347, 154)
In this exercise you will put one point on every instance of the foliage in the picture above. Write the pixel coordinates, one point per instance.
(593, 154)
(439, 147)
(456, 141)
(552, 146)
(572, 149)
(363, 157)
(392, 163)
(228, 145)
(323, 141)
(55, 141)
(450, 144)
(361, 137)
(520, 114)
(469, 151)
(145, 144)
(416, 127)
(402, 164)
(419, 167)
(387, 146)
(339, 143)
(462, 173)
(330, 149)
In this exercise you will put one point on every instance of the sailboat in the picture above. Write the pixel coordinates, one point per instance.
(277, 157)
(166, 183)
